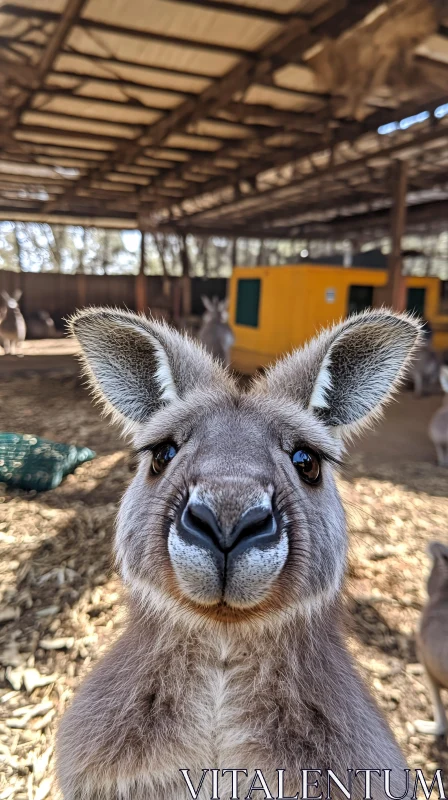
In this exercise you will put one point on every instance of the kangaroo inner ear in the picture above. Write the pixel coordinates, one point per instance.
(362, 366)
(124, 364)
(134, 365)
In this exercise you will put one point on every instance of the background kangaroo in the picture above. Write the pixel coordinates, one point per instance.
(432, 638)
(40, 325)
(12, 323)
(425, 369)
(438, 427)
(216, 334)
(231, 540)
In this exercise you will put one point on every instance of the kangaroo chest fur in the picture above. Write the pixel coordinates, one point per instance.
(213, 704)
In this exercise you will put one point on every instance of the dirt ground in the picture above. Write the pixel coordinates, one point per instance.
(61, 598)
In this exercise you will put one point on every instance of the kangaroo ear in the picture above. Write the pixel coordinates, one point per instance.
(135, 365)
(207, 303)
(5, 295)
(345, 375)
(17, 295)
(437, 550)
(443, 377)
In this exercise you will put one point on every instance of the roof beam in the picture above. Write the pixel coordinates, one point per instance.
(67, 134)
(122, 83)
(56, 150)
(121, 30)
(66, 94)
(291, 120)
(64, 23)
(66, 20)
(105, 61)
(238, 10)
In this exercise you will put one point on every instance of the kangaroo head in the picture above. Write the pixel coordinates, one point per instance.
(215, 310)
(438, 579)
(44, 316)
(233, 514)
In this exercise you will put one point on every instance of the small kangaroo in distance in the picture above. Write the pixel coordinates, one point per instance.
(40, 325)
(425, 370)
(12, 323)
(231, 540)
(438, 426)
(432, 640)
(216, 334)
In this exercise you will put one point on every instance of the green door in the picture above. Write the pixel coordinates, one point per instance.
(359, 298)
(416, 301)
(248, 302)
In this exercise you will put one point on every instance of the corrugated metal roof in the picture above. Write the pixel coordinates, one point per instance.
(217, 115)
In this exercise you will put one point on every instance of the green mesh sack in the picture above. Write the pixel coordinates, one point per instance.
(29, 462)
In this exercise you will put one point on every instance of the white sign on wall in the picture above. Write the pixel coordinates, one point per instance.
(330, 295)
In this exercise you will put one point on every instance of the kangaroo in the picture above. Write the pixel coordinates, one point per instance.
(231, 540)
(12, 325)
(425, 369)
(216, 334)
(41, 326)
(432, 640)
(438, 426)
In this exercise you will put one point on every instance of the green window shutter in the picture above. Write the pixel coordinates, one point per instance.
(248, 302)
(415, 301)
(359, 298)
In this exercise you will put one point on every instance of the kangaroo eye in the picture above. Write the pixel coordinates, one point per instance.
(307, 464)
(161, 457)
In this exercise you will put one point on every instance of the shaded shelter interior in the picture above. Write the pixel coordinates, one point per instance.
(258, 118)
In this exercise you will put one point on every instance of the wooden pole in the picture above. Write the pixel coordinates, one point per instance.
(234, 252)
(140, 281)
(177, 300)
(397, 286)
(81, 289)
(186, 279)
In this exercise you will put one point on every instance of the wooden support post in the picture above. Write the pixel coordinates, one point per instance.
(234, 252)
(177, 301)
(186, 296)
(397, 286)
(140, 281)
(186, 279)
(81, 289)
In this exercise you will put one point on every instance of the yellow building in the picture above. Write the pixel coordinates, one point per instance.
(275, 309)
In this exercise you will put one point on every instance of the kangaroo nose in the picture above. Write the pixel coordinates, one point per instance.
(257, 527)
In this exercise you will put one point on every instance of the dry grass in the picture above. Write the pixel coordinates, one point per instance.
(60, 596)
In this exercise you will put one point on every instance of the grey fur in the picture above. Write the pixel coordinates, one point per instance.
(425, 369)
(438, 426)
(251, 672)
(216, 334)
(41, 326)
(432, 640)
(12, 323)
